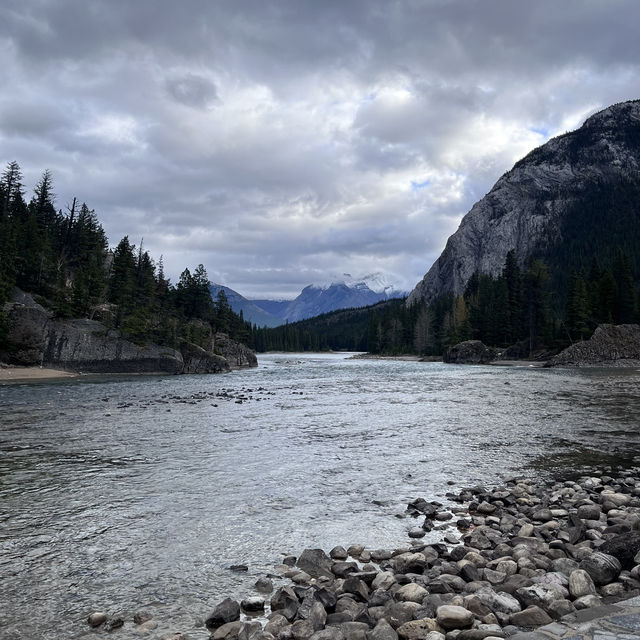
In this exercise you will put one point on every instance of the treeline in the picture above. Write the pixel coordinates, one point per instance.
(63, 258)
(517, 309)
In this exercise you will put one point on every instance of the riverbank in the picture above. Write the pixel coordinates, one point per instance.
(9, 373)
(511, 559)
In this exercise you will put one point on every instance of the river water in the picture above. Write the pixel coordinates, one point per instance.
(123, 494)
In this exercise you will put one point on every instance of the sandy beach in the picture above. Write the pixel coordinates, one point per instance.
(11, 374)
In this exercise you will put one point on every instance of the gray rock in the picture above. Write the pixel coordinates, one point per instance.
(581, 584)
(532, 616)
(227, 631)
(589, 512)
(338, 553)
(417, 629)
(411, 593)
(285, 602)
(453, 617)
(301, 630)
(498, 602)
(315, 562)
(141, 617)
(624, 547)
(382, 631)
(277, 622)
(264, 585)
(252, 604)
(470, 352)
(384, 580)
(586, 602)
(601, 567)
(226, 611)
(560, 608)
(97, 618)
(398, 613)
(329, 633)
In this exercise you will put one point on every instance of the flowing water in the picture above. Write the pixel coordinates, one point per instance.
(122, 494)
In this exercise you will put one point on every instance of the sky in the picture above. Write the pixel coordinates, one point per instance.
(283, 143)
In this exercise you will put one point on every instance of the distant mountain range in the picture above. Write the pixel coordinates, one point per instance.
(348, 292)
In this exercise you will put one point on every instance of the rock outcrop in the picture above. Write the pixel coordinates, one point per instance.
(610, 346)
(470, 352)
(525, 209)
(36, 338)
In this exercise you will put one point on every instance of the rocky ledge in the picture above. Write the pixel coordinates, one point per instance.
(470, 352)
(36, 338)
(512, 559)
(610, 346)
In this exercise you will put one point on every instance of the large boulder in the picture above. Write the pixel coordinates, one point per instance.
(623, 547)
(470, 352)
(601, 567)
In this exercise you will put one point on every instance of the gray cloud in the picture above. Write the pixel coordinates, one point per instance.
(282, 143)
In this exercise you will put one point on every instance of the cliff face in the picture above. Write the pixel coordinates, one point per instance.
(526, 209)
(36, 338)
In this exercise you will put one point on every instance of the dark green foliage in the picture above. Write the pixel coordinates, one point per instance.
(64, 258)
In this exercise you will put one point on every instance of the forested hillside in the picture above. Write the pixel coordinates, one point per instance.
(63, 257)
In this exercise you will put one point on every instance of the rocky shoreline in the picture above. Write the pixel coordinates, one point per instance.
(512, 559)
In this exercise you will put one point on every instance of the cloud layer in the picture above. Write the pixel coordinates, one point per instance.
(283, 143)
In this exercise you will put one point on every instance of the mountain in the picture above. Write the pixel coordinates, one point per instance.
(250, 311)
(570, 201)
(344, 293)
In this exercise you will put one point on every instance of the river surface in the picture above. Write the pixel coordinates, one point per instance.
(129, 493)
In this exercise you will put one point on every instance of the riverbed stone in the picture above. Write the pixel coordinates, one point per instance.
(226, 611)
(498, 602)
(454, 617)
(276, 623)
(315, 562)
(328, 633)
(398, 613)
(338, 553)
(411, 593)
(97, 618)
(602, 567)
(384, 580)
(532, 616)
(264, 585)
(624, 547)
(417, 629)
(252, 604)
(383, 631)
(285, 602)
(227, 631)
(581, 584)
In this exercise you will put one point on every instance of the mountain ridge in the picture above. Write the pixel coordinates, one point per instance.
(526, 207)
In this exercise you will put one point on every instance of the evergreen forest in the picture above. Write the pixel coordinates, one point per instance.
(64, 260)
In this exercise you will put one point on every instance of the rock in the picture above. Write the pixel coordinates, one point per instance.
(226, 611)
(601, 567)
(624, 547)
(277, 622)
(354, 630)
(398, 613)
(252, 604)
(301, 630)
(498, 602)
(417, 629)
(355, 550)
(532, 616)
(589, 512)
(586, 602)
(357, 588)
(411, 593)
(329, 633)
(149, 625)
(614, 589)
(581, 584)
(285, 602)
(453, 617)
(141, 617)
(97, 618)
(537, 595)
(384, 580)
(227, 631)
(264, 585)
(338, 553)
(409, 563)
(382, 631)
(470, 352)
(417, 532)
(344, 569)
(315, 562)
(113, 624)
(289, 560)
(542, 515)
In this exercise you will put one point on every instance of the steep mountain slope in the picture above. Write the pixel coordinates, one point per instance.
(250, 311)
(572, 199)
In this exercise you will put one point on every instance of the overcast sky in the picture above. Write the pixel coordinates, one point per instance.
(282, 143)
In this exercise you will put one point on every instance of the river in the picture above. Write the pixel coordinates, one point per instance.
(130, 493)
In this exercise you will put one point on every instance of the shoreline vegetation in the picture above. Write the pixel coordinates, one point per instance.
(511, 559)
